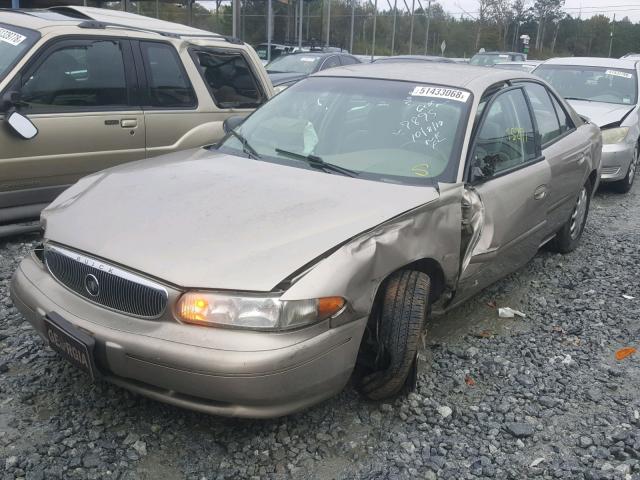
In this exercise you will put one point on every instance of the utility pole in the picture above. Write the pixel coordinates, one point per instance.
(413, 7)
(301, 15)
(613, 26)
(373, 39)
(353, 14)
(328, 22)
(269, 29)
(393, 30)
(189, 12)
(235, 14)
(426, 41)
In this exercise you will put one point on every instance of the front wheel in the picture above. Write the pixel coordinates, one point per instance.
(568, 237)
(624, 185)
(395, 333)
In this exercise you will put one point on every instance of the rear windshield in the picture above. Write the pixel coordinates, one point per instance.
(485, 59)
(595, 84)
(14, 43)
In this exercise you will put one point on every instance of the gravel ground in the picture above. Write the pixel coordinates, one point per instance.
(541, 396)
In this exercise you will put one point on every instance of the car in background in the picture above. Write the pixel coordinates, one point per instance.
(631, 56)
(276, 50)
(413, 58)
(527, 66)
(286, 70)
(85, 89)
(249, 278)
(488, 59)
(604, 90)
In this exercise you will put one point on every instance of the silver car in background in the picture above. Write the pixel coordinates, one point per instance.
(604, 90)
(249, 278)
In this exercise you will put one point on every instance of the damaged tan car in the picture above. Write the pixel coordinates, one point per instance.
(250, 278)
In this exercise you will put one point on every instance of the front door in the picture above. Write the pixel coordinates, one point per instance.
(510, 178)
(77, 93)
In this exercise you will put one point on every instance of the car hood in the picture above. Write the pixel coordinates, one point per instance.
(601, 113)
(285, 77)
(208, 220)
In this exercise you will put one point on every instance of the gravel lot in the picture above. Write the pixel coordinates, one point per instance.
(540, 397)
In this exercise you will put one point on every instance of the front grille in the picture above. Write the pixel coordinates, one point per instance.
(104, 284)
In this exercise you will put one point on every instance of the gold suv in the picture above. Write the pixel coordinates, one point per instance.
(83, 89)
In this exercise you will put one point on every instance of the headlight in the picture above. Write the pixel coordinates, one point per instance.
(254, 312)
(614, 135)
(279, 88)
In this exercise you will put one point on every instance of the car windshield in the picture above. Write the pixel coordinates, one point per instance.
(299, 63)
(520, 67)
(393, 131)
(485, 59)
(14, 43)
(595, 84)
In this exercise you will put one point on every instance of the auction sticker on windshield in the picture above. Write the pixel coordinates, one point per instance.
(440, 92)
(10, 37)
(617, 73)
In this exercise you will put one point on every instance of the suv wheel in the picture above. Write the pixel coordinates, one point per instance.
(395, 334)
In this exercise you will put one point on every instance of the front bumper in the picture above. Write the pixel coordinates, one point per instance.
(272, 374)
(616, 159)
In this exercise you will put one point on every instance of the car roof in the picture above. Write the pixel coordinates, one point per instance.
(317, 53)
(499, 53)
(476, 79)
(426, 58)
(82, 16)
(593, 62)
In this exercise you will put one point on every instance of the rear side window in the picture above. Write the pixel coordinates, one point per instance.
(506, 138)
(331, 62)
(545, 113)
(83, 74)
(229, 78)
(348, 60)
(167, 83)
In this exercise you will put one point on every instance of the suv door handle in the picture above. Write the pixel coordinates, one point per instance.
(541, 192)
(128, 123)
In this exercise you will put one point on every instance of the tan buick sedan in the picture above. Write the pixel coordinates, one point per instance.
(250, 278)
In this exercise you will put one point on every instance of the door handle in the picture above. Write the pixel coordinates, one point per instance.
(540, 192)
(128, 123)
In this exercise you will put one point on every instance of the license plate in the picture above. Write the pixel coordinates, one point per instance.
(71, 343)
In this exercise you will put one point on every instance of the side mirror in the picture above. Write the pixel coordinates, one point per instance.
(21, 125)
(9, 100)
(231, 123)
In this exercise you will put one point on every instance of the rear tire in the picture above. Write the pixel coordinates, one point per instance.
(568, 237)
(624, 185)
(397, 330)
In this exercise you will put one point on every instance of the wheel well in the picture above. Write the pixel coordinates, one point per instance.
(593, 177)
(425, 265)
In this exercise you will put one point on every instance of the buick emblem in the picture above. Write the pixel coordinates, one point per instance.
(91, 285)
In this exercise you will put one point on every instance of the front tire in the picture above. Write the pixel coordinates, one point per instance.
(396, 331)
(568, 237)
(624, 185)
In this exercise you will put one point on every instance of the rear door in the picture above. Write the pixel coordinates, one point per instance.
(78, 93)
(566, 153)
(509, 175)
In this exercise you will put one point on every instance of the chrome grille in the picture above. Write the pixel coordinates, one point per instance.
(116, 289)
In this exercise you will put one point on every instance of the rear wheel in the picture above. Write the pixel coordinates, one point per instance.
(624, 185)
(568, 237)
(394, 333)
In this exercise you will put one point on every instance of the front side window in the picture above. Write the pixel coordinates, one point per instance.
(543, 110)
(168, 84)
(594, 84)
(14, 43)
(392, 131)
(229, 78)
(83, 74)
(506, 139)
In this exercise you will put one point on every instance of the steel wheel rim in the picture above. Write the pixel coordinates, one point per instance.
(579, 212)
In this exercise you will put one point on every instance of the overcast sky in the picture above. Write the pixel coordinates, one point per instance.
(587, 8)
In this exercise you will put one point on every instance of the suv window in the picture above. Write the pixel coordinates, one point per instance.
(548, 125)
(229, 78)
(506, 138)
(167, 83)
(80, 75)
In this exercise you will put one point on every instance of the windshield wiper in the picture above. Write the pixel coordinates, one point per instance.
(246, 147)
(318, 162)
(576, 98)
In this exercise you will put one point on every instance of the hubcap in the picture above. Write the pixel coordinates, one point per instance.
(579, 212)
(632, 167)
